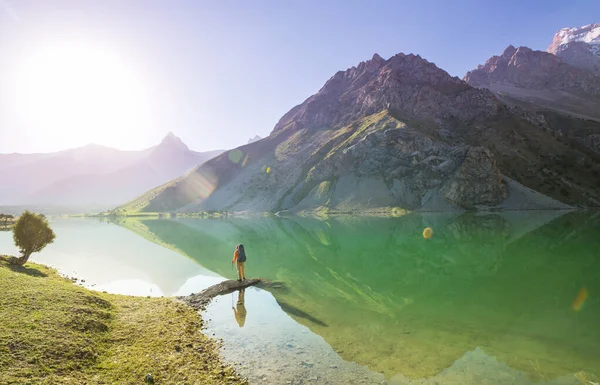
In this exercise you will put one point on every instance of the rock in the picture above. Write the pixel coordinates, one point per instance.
(578, 46)
(149, 379)
(476, 182)
(200, 300)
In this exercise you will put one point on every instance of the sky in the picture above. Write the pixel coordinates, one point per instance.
(215, 73)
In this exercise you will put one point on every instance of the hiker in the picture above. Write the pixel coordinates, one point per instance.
(240, 257)
(240, 312)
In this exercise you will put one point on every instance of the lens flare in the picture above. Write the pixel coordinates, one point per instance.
(427, 233)
(580, 299)
(268, 170)
(235, 155)
(245, 161)
(200, 185)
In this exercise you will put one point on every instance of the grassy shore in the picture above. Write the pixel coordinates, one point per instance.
(55, 332)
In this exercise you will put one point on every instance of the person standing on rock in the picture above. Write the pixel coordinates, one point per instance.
(239, 257)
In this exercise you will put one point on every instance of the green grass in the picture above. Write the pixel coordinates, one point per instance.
(55, 332)
(323, 188)
(369, 123)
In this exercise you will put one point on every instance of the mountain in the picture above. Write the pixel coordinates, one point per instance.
(580, 47)
(542, 78)
(24, 174)
(396, 133)
(255, 139)
(94, 175)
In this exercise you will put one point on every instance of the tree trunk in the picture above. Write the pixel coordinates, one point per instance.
(23, 260)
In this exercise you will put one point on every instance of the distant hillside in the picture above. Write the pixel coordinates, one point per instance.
(397, 133)
(255, 139)
(93, 175)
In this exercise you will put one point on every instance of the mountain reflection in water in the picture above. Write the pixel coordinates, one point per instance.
(383, 296)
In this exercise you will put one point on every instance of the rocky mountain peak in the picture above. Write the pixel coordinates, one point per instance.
(580, 47)
(525, 68)
(173, 143)
(374, 64)
(406, 84)
(509, 52)
(588, 34)
(378, 58)
(413, 69)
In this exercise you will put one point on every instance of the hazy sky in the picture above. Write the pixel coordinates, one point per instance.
(124, 73)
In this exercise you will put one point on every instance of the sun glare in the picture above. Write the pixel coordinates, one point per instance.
(81, 93)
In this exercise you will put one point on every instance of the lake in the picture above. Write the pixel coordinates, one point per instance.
(495, 298)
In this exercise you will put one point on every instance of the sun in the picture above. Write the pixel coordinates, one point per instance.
(80, 93)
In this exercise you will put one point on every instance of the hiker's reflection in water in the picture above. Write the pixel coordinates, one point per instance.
(240, 310)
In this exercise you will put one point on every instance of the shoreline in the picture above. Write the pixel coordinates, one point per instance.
(383, 212)
(61, 332)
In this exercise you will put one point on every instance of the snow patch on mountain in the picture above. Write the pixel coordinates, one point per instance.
(588, 34)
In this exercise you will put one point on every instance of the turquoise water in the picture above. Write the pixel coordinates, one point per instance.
(496, 298)
(114, 259)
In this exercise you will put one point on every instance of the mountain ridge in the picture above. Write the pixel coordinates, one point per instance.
(94, 174)
(561, 82)
(391, 133)
(256, 138)
(524, 67)
(415, 74)
(579, 46)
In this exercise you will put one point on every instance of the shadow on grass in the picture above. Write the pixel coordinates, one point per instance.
(21, 269)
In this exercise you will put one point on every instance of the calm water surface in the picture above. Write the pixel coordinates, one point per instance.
(507, 298)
